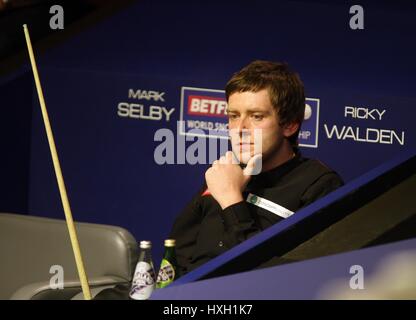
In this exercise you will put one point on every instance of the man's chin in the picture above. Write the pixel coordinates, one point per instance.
(244, 157)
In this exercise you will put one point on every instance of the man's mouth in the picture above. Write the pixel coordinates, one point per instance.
(245, 146)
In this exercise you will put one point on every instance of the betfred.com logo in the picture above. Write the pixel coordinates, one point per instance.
(206, 106)
(205, 110)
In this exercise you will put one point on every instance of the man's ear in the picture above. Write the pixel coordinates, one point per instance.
(290, 128)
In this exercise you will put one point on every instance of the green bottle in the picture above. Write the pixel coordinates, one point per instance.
(168, 271)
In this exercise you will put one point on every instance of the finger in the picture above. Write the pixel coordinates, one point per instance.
(234, 158)
(223, 160)
(207, 173)
(229, 156)
(254, 165)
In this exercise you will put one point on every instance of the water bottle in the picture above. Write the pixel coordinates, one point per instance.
(168, 271)
(144, 274)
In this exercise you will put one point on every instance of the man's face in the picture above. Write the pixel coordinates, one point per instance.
(248, 111)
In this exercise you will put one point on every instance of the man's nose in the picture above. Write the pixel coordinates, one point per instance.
(243, 124)
(243, 127)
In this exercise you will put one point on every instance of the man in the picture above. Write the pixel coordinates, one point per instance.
(263, 97)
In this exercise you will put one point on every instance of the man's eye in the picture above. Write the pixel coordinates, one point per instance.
(232, 116)
(257, 117)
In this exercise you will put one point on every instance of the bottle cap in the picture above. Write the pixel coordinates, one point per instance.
(145, 244)
(170, 242)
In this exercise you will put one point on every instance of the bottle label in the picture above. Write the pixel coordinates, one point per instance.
(143, 281)
(166, 274)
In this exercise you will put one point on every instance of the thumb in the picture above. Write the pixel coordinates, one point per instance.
(254, 165)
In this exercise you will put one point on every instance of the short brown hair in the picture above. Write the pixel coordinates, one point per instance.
(284, 86)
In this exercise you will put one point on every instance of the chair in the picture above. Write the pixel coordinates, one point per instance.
(30, 247)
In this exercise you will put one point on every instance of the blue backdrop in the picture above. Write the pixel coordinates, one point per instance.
(360, 84)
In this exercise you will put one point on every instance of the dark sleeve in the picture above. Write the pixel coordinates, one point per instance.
(325, 184)
(239, 224)
(185, 231)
